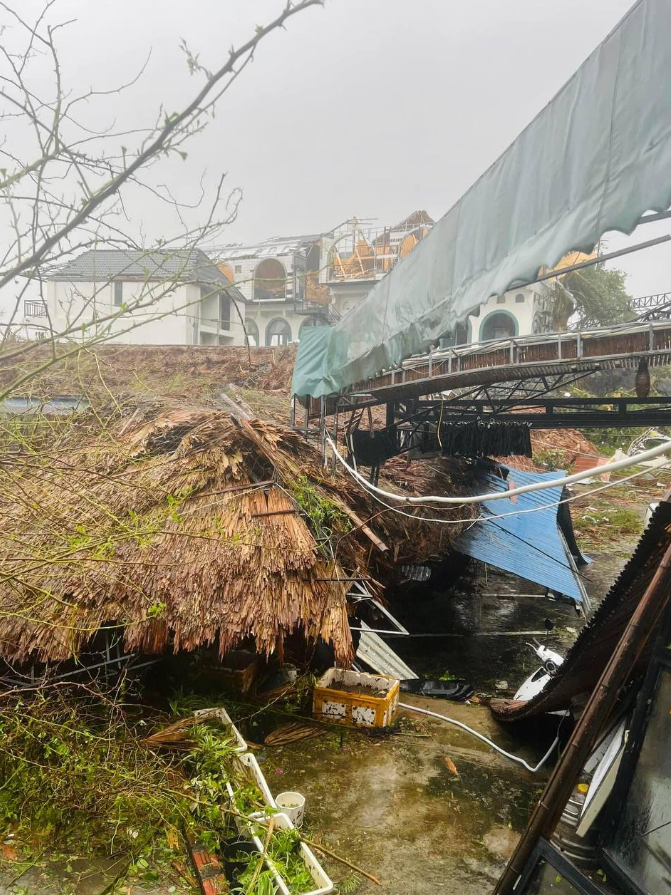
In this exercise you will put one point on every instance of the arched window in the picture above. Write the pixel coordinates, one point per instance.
(278, 332)
(252, 333)
(270, 280)
(499, 325)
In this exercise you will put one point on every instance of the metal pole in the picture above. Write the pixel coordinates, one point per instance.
(565, 775)
(660, 216)
(324, 429)
(620, 252)
(334, 459)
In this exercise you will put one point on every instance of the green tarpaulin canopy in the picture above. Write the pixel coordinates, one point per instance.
(595, 159)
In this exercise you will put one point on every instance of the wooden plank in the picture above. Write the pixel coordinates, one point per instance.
(209, 872)
(361, 526)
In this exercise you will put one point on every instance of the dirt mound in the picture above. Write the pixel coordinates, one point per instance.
(570, 441)
(167, 371)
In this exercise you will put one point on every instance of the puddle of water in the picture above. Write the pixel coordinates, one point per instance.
(474, 605)
(484, 796)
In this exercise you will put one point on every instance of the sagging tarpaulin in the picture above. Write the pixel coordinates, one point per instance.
(595, 159)
(528, 544)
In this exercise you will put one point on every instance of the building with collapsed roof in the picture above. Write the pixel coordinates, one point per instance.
(277, 287)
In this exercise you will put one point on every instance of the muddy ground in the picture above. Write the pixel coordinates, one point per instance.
(392, 804)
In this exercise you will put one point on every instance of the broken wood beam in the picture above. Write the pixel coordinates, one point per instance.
(362, 526)
(209, 872)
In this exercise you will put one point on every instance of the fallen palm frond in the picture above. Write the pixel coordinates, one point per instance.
(293, 732)
(180, 735)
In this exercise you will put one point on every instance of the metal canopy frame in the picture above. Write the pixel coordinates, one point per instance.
(502, 360)
(552, 413)
(415, 424)
(544, 851)
(109, 660)
(359, 594)
(660, 662)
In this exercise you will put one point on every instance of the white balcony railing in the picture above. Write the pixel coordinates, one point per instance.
(34, 309)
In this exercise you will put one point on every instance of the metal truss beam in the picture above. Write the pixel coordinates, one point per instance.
(552, 413)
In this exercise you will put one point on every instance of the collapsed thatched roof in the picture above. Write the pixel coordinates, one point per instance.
(185, 527)
(158, 525)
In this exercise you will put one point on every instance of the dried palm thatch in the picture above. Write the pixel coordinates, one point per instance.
(177, 525)
(186, 527)
(131, 371)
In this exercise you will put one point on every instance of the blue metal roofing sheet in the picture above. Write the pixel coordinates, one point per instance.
(528, 544)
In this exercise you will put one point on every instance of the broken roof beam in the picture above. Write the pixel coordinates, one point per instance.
(362, 526)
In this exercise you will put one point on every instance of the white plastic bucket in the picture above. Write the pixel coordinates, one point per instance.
(293, 805)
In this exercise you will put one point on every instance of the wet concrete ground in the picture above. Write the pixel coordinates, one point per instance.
(485, 616)
(391, 804)
(393, 807)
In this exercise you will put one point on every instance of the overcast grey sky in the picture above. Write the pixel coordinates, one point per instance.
(371, 108)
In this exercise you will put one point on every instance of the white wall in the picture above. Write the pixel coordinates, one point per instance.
(243, 273)
(522, 311)
(347, 294)
(210, 329)
(170, 318)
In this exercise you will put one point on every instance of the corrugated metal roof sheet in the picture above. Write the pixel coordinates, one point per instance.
(270, 248)
(381, 658)
(528, 544)
(109, 264)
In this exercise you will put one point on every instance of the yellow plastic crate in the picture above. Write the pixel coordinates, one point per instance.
(356, 699)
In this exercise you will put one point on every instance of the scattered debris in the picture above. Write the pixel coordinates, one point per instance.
(455, 689)
(208, 869)
(533, 543)
(451, 766)
(380, 657)
(180, 735)
(292, 732)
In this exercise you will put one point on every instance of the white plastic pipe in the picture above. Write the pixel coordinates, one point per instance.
(513, 492)
(414, 708)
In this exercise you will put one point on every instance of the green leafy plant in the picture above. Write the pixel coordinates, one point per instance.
(325, 518)
(285, 853)
(350, 884)
(552, 458)
(77, 778)
(600, 295)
